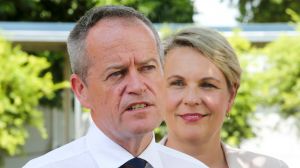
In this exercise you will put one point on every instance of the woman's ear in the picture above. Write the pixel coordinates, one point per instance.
(232, 95)
(80, 90)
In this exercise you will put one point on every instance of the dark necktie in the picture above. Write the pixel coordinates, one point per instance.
(135, 163)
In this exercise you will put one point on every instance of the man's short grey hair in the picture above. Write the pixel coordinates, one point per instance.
(76, 40)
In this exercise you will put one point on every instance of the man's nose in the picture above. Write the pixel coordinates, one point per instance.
(192, 97)
(135, 83)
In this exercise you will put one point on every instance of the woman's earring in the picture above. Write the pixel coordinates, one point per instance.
(228, 115)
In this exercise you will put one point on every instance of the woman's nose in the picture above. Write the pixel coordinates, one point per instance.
(191, 97)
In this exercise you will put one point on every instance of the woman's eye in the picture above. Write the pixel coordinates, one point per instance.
(208, 85)
(177, 83)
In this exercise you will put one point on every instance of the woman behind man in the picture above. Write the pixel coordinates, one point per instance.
(202, 76)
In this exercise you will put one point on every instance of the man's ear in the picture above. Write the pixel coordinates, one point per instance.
(80, 90)
(232, 92)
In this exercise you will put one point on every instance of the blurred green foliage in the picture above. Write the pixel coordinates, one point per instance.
(271, 78)
(23, 82)
(159, 11)
(57, 62)
(43, 10)
(180, 11)
(263, 11)
(283, 74)
(237, 127)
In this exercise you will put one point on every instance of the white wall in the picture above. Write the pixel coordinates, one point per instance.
(276, 137)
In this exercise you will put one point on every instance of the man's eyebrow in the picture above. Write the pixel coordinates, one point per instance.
(147, 61)
(114, 66)
(119, 66)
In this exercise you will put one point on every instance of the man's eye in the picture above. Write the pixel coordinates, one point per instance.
(147, 68)
(116, 75)
(177, 83)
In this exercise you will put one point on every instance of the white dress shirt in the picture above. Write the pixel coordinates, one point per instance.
(96, 150)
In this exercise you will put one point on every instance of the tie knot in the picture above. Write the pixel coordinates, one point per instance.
(135, 163)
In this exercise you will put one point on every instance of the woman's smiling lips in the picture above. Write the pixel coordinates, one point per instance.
(192, 117)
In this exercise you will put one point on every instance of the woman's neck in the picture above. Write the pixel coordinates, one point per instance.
(210, 152)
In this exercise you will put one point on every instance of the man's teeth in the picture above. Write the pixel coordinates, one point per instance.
(137, 106)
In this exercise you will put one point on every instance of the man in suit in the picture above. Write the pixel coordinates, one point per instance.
(117, 74)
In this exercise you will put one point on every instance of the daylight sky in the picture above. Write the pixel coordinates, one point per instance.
(214, 13)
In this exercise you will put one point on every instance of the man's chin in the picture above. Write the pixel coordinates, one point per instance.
(142, 130)
(142, 127)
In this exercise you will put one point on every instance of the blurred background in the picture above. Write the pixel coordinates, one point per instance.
(38, 111)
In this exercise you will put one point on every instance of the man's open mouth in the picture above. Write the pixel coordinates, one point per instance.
(138, 106)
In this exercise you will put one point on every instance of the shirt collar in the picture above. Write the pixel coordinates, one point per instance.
(151, 155)
(227, 153)
(107, 153)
